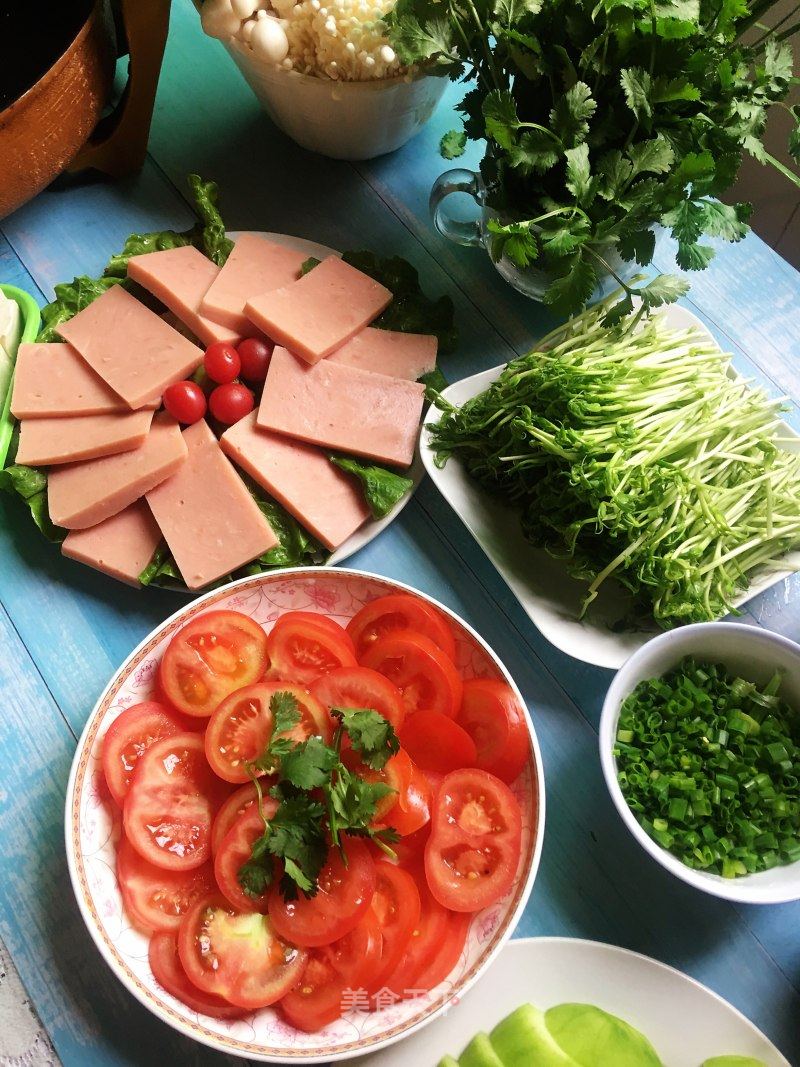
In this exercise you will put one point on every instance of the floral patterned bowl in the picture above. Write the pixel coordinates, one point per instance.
(92, 833)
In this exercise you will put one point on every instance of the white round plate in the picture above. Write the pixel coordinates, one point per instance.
(685, 1021)
(92, 831)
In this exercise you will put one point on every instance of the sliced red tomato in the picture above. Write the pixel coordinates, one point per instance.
(128, 737)
(235, 851)
(396, 773)
(237, 955)
(318, 619)
(400, 611)
(446, 955)
(437, 743)
(241, 727)
(317, 999)
(344, 892)
(421, 671)
(494, 719)
(168, 971)
(396, 905)
(435, 941)
(412, 811)
(171, 803)
(356, 956)
(474, 848)
(301, 650)
(359, 687)
(209, 658)
(236, 803)
(410, 850)
(156, 900)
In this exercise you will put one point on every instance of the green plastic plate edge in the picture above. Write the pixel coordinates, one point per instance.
(31, 319)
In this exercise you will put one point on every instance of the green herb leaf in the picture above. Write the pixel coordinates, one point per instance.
(500, 115)
(569, 118)
(654, 156)
(636, 85)
(382, 488)
(371, 735)
(665, 289)
(308, 765)
(574, 288)
(579, 180)
(30, 484)
(693, 256)
(452, 144)
(638, 245)
(162, 568)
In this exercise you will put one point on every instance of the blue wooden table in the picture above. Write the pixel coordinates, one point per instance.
(65, 629)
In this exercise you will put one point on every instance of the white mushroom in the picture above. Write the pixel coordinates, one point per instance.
(218, 19)
(268, 40)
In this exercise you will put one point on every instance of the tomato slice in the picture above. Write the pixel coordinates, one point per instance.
(396, 773)
(437, 743)
(359, 687)
(318, 619)
(492, 716)
(237, 802)
(317, 999)
(237, 954)
(356, 956)
(168, 971)
(474, 848)
(241, 727)
(235, 851)
(343, 895)
(209, 658)
(446, 956)
(128, 737)
(301, 650)
(412, 811)
(436, 941)
(171, 803)
(420, 670)
(396, 905)
(400, 611)
(156, 900)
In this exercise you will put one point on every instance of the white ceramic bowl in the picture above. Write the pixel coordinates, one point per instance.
(92, 832)
(343, 120)
(748, 651)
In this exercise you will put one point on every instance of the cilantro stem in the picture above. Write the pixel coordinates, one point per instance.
(776, 163)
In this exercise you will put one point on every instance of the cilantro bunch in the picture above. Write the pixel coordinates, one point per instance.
(604, 118)
(319, 798)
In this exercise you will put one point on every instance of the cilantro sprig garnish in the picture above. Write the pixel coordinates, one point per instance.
(319, 799)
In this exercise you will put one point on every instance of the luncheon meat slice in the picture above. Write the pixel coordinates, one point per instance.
(121, 546)
(301, 477)
(319, 312)
(84, 494)
(43, 442)
(255, 266)
(400, 355)
(52, 381)
(179, 278)
(342, 407)
(208, 517)
(132, 349)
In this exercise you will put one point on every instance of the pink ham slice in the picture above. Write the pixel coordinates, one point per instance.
(43, 442)
(400, 355)
(52, 381)
(209, 519)
(301, 477)
(319, 312)
(84, 494)
(132, 349)
(122, 546)
(179, 278)
(342, 407)
(254, 266)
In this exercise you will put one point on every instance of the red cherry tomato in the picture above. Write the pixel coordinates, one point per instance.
(343, 895)
(185, 402)
(359, 687)
(432, 950)
(231, 402)
(301, 650)
(396, 905)
(473, 852)
(156, 900)
(436, 743)
(222, 363)
(165, 963)
(128, 738)
(235, 851)
(254, 355)
(400, 611)
(420, 670)
(492, 716)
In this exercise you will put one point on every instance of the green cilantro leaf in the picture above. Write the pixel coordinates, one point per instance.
(665, 289)
(638, 245)
(308, 765)
(500, 115)
(452, 144)
(693, 256)
(371, 735)
(574, 288)
(579, 180)
(569, 118)
(654, 156)
(636, 85)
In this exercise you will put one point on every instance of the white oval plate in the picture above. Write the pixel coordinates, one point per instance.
(542, 585)
(92, 831)
(685, 1021)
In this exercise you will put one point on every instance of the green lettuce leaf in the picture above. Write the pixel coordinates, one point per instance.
(382, 488)
(31, 484)
(210, 237)
(138, 244)
(296, 547)
(162, 569)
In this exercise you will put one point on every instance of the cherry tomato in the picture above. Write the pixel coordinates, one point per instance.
(474, 848)
(156, 900)
(436, 943)
(437, 743)
(412, 809)
(301, 651)
(231, 402)
(420, 670)
(359, 687)
(343, 895)
(128, 737)
(209, 658)
(317, 999)
(254, 355)
(237, 802)
(222, 363)
(185, 402)
(235, 851)
(237, 954)
(165, 963)
(400, 611)
(241, 727)
(492, 716)
(396, 905)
